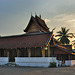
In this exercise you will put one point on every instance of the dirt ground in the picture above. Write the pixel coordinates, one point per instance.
(37, 71)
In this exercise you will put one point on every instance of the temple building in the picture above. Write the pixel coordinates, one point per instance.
(38, 41)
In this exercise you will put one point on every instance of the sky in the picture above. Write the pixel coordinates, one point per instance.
(15, 14)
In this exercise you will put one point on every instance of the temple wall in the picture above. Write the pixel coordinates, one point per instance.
(4, 60)
(70, 62)
(67, 63)
(35, 61)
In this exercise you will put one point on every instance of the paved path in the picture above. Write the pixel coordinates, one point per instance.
(37, 71)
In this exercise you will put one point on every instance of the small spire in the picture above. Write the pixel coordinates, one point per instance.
(40, 16)
(35, 13)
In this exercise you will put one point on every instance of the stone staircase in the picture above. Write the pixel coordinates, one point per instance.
(11, 64)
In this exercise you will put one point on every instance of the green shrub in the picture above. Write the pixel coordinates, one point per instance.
(53, 64)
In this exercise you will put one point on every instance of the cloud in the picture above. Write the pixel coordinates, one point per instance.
(73, 20)
(47, 20)
(62, 20)
(66, 19)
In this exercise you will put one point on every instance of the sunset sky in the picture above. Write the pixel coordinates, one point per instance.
(15, 14)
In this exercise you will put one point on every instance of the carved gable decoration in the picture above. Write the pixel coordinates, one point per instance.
(33, 28)
(36, 24)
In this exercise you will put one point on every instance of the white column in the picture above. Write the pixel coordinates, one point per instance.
(43, 51)
(7, 53)
(29, 52)
(48, 51)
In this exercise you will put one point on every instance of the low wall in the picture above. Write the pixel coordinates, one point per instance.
(67, 63)
(3, 60)
(70, 62)
(59, 63)
(35, 61)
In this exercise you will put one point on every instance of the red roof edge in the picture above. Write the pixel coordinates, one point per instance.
(63, 48)
(48, 41)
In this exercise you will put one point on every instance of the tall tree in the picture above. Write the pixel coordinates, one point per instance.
(64, 35)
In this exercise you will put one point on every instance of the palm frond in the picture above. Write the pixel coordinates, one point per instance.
(67, 31)
(73, 41)
(64, 35)
(59, 32)
(71, 34)
(58, 35)
(58, 38)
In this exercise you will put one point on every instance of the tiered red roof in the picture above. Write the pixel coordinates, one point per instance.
(26, 40)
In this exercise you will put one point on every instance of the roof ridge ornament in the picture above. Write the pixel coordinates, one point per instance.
(31, 14)
(35, 14)
(40, 16)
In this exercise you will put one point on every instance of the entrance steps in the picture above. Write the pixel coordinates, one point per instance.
(12, 64)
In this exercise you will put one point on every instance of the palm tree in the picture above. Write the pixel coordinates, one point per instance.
(64, 35)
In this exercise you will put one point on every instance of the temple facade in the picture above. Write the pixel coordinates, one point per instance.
(38, 41)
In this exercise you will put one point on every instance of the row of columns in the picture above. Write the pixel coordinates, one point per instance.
(64, 57)
(6, 52)
(28, 49)
(42, 49)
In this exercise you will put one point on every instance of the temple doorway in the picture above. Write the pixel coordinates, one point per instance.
(12, 55)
